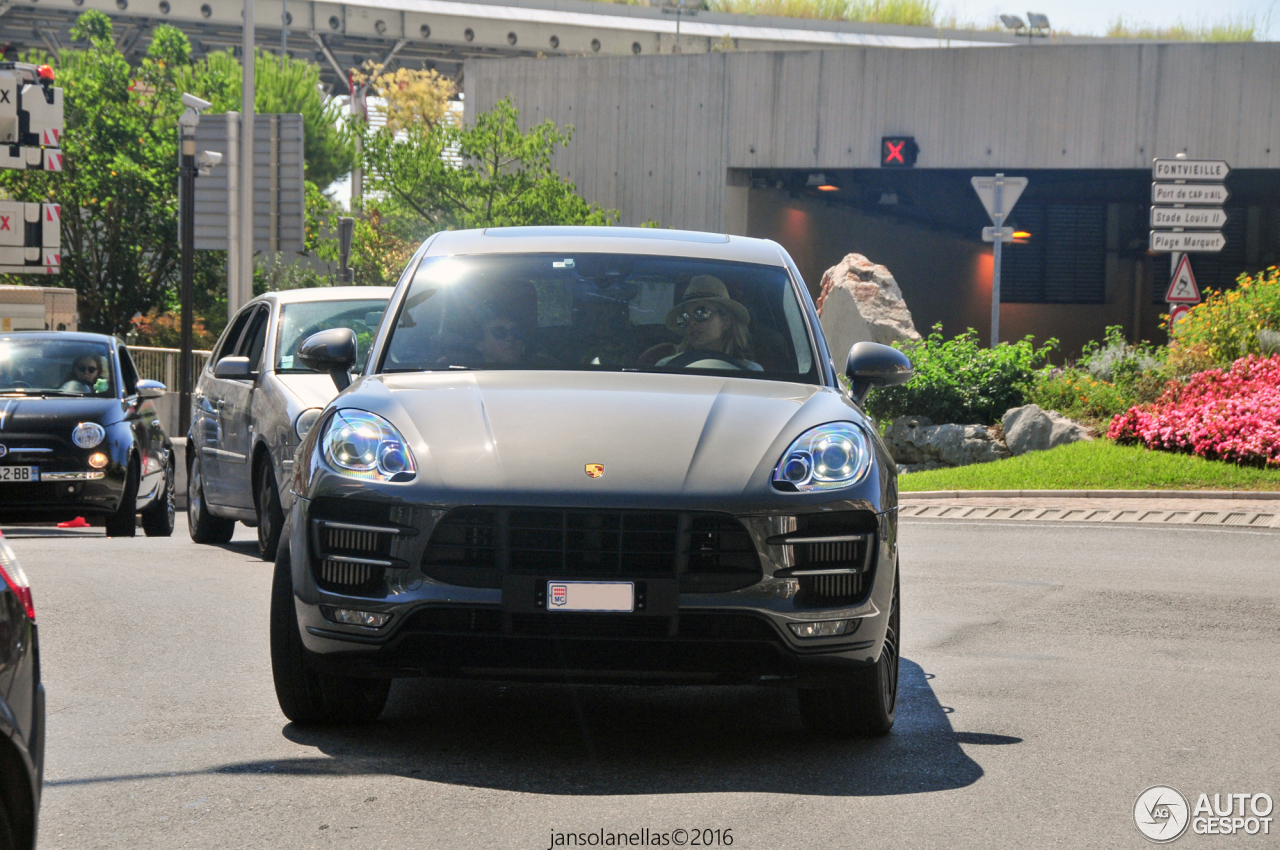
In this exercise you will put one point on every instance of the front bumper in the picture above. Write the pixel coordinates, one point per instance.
(443, 629)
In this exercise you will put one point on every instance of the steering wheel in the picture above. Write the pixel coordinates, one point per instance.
(682, 361)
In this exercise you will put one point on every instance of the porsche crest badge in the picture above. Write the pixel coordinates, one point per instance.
(595, 470)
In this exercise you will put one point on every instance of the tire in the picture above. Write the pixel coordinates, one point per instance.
(270, 514)
(204, 526)
(8, 841)
(306, 696)
(867, 703)
(158, 519)
(124, 522)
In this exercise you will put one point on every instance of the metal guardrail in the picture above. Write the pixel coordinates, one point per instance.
(161, 364)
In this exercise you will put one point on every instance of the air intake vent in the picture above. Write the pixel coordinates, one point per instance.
(342, 539)
(475, 547)
(345, 573)
(831, 589)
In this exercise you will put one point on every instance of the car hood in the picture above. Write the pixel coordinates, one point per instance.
(525, 432)
(25, 415)
(308, 388)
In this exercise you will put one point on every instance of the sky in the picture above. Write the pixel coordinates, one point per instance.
(1091, 17)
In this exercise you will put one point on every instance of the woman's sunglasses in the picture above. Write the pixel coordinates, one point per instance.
(87, 368)
(698, 314)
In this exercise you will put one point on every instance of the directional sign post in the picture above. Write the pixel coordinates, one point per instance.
(1187, 217)
(998, 195)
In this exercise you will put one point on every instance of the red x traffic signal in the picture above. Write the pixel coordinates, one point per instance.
(898, 151)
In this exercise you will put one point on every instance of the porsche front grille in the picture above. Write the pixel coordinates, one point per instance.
(475, 547)
(353, 554)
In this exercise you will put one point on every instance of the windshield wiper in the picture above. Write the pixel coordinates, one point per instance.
(24, 391)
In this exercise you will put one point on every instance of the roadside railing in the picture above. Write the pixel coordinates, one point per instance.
(161, 364)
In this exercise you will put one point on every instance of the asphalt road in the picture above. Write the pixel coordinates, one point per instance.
(1051, 673)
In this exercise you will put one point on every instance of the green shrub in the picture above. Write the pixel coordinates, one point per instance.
(1078, 395)
(958, 380)
(1227, 323)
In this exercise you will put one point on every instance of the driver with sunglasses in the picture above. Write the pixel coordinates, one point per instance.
(501, 341)
(712, 327)
(86, 376)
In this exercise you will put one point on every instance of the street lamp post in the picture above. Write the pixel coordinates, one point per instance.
(187, 169)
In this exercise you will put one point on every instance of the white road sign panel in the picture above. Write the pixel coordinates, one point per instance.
(1203, 194)
(1168, 242)
(989, 234)
(1190, 169)
(1183, 288)
(1210, 218)
(986, 189)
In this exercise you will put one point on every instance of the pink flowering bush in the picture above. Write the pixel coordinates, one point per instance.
(1231, 415)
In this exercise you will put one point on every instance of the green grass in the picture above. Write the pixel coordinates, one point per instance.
(1239, 28)
(1096, 465)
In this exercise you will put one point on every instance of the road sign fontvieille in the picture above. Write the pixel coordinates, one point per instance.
(1190, 169)
(1204, 218)
(1202, 194)
(1183, 288)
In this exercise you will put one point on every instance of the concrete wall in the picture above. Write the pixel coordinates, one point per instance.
(656, 135)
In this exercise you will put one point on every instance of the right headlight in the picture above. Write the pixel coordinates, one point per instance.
(364, 445)
(827, 457)
(306, 419)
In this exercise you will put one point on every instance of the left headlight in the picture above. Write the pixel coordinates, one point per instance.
(86, 435)
(827, 457)
(365, 445)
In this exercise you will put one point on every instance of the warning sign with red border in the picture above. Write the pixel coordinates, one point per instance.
(1183, 288)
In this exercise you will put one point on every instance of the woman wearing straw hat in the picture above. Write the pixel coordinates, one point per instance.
(712, 327)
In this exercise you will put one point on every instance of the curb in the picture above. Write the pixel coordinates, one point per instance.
(1243, 519)
(1271, 496)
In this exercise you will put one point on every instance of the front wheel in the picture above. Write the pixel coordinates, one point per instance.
(306, 696)
(203, 526)
(866, 704)
(158, 519)
(270, 514)
(124, 522)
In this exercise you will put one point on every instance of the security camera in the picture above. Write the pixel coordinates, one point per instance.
(193, 102)
(205, 162)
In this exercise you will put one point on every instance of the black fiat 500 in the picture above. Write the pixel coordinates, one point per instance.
(80, 435)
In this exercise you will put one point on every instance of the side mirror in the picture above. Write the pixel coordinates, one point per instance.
(148, 388)
(872, 365)
(233, 368)
(332, 351)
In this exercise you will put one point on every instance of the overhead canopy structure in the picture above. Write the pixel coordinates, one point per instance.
(444, 33)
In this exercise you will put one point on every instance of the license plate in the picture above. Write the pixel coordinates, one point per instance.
(19, 473)
(591, 596)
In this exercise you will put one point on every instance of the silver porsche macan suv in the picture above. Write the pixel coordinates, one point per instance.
(594, 455)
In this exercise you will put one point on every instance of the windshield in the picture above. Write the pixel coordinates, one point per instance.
(44, 366)
(602, 312)
(299, 321)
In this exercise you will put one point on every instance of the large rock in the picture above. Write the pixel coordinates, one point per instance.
(860, 301)
(916, 440)
(1031, 429)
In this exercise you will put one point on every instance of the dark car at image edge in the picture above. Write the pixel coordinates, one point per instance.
(22, 709)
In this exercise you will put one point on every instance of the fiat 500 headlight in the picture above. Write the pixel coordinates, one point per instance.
(86, 435)
(364, 445)
(828, 457)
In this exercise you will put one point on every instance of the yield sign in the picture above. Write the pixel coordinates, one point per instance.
(986, 189)
(1183, 289)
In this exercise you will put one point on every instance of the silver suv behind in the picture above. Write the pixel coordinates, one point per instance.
(254, 403)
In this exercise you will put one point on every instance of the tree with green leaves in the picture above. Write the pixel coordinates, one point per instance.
(281, 84)
(489, 174)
